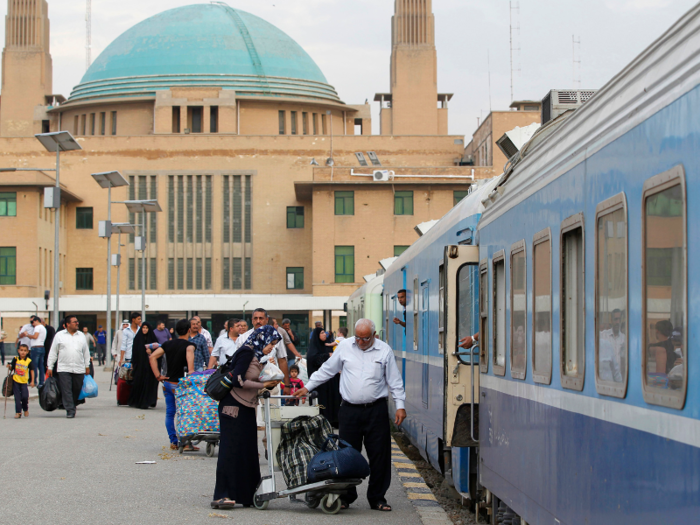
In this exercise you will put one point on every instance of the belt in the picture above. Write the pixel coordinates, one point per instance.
(363, 405)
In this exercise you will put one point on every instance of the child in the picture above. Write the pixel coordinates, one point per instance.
(296, 385)
(21, 366)
(342, 335)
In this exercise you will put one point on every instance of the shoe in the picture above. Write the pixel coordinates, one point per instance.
(173, 446)
(26, 413)
(70, 415)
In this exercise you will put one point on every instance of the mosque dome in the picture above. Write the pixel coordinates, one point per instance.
(204, 45)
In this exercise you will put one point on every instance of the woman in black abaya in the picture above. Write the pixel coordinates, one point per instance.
(144, 388)
(329, 392)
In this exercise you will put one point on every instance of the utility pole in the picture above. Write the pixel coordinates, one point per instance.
(576, 56)
(88, 34)
(514, 43)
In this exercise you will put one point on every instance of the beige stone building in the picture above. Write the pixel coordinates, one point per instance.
(482, 150)
(265, 176)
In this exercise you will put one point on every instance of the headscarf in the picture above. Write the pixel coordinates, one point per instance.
(318, 351)
(260, 338)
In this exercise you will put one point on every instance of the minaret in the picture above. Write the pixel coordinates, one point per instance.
(413, 69)
(26, 68)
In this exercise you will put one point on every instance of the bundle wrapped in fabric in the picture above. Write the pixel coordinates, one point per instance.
(197, 413)
(301, 439)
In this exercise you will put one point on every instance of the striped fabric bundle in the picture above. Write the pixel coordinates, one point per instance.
(301, 440)
(197, 413)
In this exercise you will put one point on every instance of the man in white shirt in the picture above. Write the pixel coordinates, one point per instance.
(225, 345)
(128, 335)
(279, 352)
(24, 332)
(117, 341)
(37, 349)
(70, 348)
(612, 353)
(205, 333)
(369, 374)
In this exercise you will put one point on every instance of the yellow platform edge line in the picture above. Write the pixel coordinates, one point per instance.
(429, 497)
(405, 465)
(415, 485)
(409, 474)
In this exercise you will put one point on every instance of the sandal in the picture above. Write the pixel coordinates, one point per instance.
(223, 504)
(173, 446)
(190, 448)
(384, 507)
(26, 413)
(17, 416)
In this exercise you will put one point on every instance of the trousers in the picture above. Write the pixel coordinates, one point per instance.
(2, 352)
(37, 356)
(369, 425)
(21, 393)
(101, 353)
(70, 385)
(170, 409)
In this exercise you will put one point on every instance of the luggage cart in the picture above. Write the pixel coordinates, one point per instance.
(325, 494)
(210, 438)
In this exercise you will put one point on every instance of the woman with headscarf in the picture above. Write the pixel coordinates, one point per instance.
(238, 467)
(329, 392)
(144, 388)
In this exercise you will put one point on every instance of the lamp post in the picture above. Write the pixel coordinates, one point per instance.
(109, 180)
(57, 141)
(143, 207)
(119, 228)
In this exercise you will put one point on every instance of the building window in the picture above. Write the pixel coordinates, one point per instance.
(8, 204)
(542, 307)
(132, 273)
(499, 314)
(518, 319)
(305, 122)
(664, 290)
(8, 266)
(103, 123)
(572, 303)
(459, 195)
(46, 126)
(295, 278)
(237, 273)
(190, 273)
(283, 122)
(295, 216)
(76, 125)
(315, 123)
(171, 274)
(92, 123)
(403, 203)
(83, 125)
(611, 297)
(345, 203)
(114, 122)
(152, 273)
(83, 218)
(181, 274)
(344, 264)
(323, 124)
(176, 119)
(214, 119)
(83, 278)
(194, 118)
(398, 250)
(294, 122)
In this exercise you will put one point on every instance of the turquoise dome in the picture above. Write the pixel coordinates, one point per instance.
(204, 45)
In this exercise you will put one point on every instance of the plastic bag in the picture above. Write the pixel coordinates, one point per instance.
(89, 388)
(271, 373)
(303, 371)
(50, 395)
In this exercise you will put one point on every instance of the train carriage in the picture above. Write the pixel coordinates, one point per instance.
(590, 406)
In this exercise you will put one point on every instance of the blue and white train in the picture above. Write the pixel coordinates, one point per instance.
(581, 404)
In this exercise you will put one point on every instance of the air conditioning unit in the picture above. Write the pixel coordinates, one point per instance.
(557, 101)
(382, 175)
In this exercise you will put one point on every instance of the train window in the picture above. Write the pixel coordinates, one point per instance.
(572, 315)
(467, 316)
(441, 311)
(518, 307)
(542, 307)
(483, 316)
(611, 361)
(416, 309)
(664, 299)
(499, 313)
(386, 319)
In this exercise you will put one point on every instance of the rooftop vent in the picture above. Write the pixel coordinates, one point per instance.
(558, 101)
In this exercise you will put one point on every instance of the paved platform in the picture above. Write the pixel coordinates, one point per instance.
(83, 471)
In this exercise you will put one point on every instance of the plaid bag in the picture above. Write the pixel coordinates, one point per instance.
(301, 439)
(196, 412)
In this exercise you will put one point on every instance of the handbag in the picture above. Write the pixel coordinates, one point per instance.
(219, 384)
(126, 372)
(344, 463)
(7, 387)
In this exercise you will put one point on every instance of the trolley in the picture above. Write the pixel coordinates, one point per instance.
(325, 494)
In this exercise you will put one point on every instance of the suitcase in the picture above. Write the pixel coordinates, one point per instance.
(197, 413)
(123, 392)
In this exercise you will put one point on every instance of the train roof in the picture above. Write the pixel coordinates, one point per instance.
(470, 206)
(369, 287)
(663, 72)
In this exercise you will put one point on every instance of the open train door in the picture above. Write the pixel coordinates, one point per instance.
(459, 302)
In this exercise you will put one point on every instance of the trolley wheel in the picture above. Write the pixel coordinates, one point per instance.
(181, 448)
(332, 508)
(312, 502)
(210, 450)
(259, 504)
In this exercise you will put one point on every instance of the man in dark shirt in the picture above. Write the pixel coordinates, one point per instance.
(401, 296)
(179, 356)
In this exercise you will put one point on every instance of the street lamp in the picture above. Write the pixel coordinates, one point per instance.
(143, 207)
(58, 141)
(109, 180)
(116, 260)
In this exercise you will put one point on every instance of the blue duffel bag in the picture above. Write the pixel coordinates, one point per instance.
(343, 463)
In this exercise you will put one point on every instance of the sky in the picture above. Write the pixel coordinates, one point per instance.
(350, 40)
